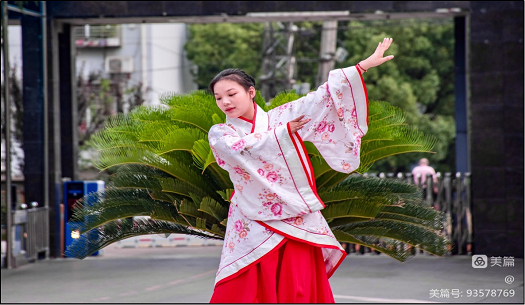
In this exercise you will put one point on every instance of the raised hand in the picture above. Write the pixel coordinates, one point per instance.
(298, 123)
(377, 58)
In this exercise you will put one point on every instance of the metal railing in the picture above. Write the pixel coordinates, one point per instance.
(37, 233)
(30, 233)
(451, 194)
(97, 36)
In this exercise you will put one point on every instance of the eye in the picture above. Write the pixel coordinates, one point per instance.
(233, 94)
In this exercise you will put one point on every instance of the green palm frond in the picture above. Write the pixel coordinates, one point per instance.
(395, 190)
(283, 98)
(97, 209)
(194, 109)
(259, 100)
(183, 171)
(175, 187)
(119, 131)
(416, 236)
(365, 198)
(151, 114)
(173, 138)
(390, 247)
(214, 208)
(411, 141)
(109, 139)
(120, 229)
(159, 184)
(330, 179)
(202, 154)
(144, 175)
(226, 194)
(384, 114)
(164, 169)
(389, 135)
(190, 208)
(401, 219)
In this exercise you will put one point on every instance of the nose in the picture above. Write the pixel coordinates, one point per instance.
(225, 102)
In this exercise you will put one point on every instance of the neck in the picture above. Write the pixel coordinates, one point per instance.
(250, 114)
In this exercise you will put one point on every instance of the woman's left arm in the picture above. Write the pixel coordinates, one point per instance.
(377, 58)
(335, 116)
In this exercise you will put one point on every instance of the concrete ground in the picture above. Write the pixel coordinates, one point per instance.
(185, 274)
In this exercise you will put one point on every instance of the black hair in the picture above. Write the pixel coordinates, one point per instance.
(237, 75)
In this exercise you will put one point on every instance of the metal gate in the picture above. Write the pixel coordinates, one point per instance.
(37, 227)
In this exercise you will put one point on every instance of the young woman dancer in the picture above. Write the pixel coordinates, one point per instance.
(278, 247)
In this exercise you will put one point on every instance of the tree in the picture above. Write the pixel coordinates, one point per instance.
(17, 113)
(215, 47)
(99, 98)
(165, 169)
(419, 80)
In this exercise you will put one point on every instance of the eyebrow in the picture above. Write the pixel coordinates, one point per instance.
(227, 90)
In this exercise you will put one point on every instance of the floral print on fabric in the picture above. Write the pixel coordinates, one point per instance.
(266, 191)
(337, 124)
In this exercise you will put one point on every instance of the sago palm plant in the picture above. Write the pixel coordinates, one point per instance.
(164, 168)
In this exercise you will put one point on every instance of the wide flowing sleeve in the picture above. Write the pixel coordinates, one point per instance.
(338, 110)
(270, 183)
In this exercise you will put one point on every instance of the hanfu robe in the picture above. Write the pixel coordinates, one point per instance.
(275, 197)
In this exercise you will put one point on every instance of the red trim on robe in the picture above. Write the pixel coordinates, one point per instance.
(314, 187)
(299, 155)
(309, 242)
(353, 99)
(254, 117)
(364, 89)
(288, 166)
(296, 273)
(245, 119)
(240, 271)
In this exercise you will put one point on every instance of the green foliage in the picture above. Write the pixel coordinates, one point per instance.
(124, 228)
(98, 98)
(389, 135)
(419, 80)
(218, 46)
(17, 114)
(163, 168)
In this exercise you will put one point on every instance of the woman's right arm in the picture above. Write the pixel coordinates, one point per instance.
(265, 168)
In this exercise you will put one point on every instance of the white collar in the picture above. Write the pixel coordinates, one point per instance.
(245, 126)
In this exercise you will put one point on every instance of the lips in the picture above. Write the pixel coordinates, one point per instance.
(229, 109)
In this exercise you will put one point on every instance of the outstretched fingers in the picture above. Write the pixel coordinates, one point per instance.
(298, 123)
(382, 47)
(298, 118)
(377, 58)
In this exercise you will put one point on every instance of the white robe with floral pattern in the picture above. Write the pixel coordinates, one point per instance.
(275, 194)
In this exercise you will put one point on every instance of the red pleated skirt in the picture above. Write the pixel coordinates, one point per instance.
(293, 273)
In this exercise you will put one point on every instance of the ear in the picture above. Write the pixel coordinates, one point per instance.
(251, 92)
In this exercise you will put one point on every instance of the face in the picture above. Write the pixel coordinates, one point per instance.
(233, 99)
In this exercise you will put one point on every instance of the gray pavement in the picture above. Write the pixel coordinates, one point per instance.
(186, 275)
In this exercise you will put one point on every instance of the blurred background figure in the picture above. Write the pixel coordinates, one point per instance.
(420, 173)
